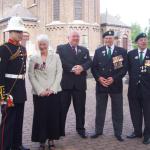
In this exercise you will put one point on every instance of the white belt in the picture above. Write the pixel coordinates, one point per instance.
(14, 76)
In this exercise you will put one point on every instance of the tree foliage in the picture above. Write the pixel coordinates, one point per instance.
(135, 30)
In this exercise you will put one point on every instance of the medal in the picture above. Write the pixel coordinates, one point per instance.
(147, 63)
(7, 100)
(117, 61)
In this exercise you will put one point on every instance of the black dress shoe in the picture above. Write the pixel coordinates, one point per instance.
(96, 135)
(119, 138)
(82, 135)
(133, 136)
(146, 141)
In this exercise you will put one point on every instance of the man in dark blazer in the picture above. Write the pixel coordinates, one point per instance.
(139, 88)
(75, 62)
(12, 83)
(108, 68)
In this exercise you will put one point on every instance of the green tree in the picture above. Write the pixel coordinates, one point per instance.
(135, 30)
(148, 35)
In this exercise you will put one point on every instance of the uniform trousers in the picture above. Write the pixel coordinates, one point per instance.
(140, 106)
(11, 126)
(117, 112)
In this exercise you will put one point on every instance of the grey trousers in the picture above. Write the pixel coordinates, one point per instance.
(117, 112)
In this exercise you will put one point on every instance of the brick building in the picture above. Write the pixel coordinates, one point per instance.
(122, 31)
(55, 18)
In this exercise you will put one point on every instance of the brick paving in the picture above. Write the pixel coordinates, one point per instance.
(72, 141)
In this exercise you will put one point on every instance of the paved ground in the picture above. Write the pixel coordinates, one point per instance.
(72, 141)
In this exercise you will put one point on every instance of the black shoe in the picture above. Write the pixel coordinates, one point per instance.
(119, 138)
(82, 135)
(96, 135)
(133, 136)
(146, 141)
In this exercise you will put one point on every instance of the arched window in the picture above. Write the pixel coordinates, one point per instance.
(125, 41)
(78, 9)
(56, 10)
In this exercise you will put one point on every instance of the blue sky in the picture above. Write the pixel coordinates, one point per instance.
(130, 11)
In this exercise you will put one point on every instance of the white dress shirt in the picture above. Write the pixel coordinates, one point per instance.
(76, 49)
(144, 52)
(112, 48)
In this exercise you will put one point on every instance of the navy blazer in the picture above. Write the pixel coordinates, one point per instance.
(69, 60)
(102, 66)
(138, 73)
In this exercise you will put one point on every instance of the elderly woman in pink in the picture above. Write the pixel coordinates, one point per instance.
(45, 73)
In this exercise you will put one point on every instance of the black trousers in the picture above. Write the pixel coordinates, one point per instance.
(117, 112)
(11, 126)
(79, 100)
(140, 108)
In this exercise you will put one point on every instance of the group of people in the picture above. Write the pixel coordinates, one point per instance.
(57, 78)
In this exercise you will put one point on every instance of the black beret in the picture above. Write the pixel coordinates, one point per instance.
(141, 35)
(108, 33)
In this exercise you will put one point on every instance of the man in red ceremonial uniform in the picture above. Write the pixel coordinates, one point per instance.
(12, 87)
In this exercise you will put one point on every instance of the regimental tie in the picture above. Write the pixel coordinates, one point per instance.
(109, 52)
(141, 57)
(74, 50)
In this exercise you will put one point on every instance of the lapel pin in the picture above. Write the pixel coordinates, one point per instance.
(79, 50)
(103, 52)
(85, 57)
(147, 56)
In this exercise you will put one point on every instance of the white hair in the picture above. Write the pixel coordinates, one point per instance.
(43, 37)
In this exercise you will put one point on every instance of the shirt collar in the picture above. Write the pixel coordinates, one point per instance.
(112, 47)
(144, 51)
(73, 46)
(13, 42)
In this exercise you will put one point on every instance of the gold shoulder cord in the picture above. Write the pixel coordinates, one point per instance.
(13, 56)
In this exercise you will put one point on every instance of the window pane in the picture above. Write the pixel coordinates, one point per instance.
(56, 9)
(78, 9)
